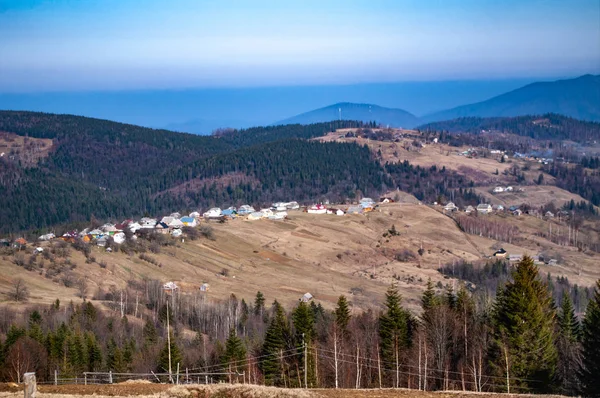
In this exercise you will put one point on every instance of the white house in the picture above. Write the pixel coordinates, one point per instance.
(175, 223)
(292, 206)
(509, 189)
(469, 209)
(257, 215)
(279, 206)
(306, 297)
(119, 238)
(317, 209)
(134, 227)
(498, 189)
(280, 215)
(450, 206)
(266, 212)
(245, 210)
(176, 233)
(213, 213)
(49, 236)
(170, 286)
(484, 208)
(195, 214)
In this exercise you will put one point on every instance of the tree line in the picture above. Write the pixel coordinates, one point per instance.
(549, 126)
(520, 342)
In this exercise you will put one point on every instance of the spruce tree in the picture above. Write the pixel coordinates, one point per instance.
(524, 320)
(163, 357)
(590, 369)
(149, 333)
(568, 348)
(304, 324)
(342, 315)
(274, 344)
(429, 298)
(94, 353)
(394, 332)
(235, 353)
(259, 303)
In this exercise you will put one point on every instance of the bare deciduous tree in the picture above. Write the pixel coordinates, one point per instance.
(19, 291)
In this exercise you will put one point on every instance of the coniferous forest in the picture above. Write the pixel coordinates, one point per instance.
(521, 341)
(113, 171)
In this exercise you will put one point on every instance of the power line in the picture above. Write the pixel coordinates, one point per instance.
(416, 367)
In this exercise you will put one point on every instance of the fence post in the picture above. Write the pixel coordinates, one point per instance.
(205, 379)
(55, 377)
(177, 376)
(85, 378)
(30, 385)
(110, 380)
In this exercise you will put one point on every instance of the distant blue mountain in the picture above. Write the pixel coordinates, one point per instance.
(201, 110)
(578, 98)
(350, 111)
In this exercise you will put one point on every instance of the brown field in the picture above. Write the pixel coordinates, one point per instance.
(480, 170)
(27, 150)
(533, 195)
(234, 391)
(325, 255)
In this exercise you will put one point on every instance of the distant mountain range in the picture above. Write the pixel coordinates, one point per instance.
(361, 112)
(578, 98)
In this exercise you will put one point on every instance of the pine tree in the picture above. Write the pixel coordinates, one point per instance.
(394, 331)
(35, 329)
(450, 297)
(274, 344)
(304, 324)
(429, 298)
(342, 315)
(149, 333)
(235, 353)
(590, 368)
(163, 358)
(94, 354)
(259, 303)
(524, 320)
(568, 348)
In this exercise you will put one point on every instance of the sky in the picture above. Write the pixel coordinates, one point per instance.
(79, 45)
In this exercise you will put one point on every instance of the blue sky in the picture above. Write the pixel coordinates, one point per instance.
(65, 45)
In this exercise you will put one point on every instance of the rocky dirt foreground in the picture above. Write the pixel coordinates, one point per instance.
(227, 391)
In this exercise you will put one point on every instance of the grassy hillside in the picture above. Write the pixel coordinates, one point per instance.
(578, 98)
(363, 112)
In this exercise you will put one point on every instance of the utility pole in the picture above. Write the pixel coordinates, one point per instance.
(305, 362)
(169, 343)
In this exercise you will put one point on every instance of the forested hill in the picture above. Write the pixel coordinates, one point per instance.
(113, 170)
(363, 112)
(547, 127)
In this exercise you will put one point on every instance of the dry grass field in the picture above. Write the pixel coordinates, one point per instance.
(481, 170)
(26, 150)
(234, 391)
(325, 255)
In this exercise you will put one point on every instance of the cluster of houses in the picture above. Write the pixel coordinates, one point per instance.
(515, 258)
(175, 222)
(486, 208)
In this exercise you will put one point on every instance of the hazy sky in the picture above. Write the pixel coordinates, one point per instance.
(148, 44)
